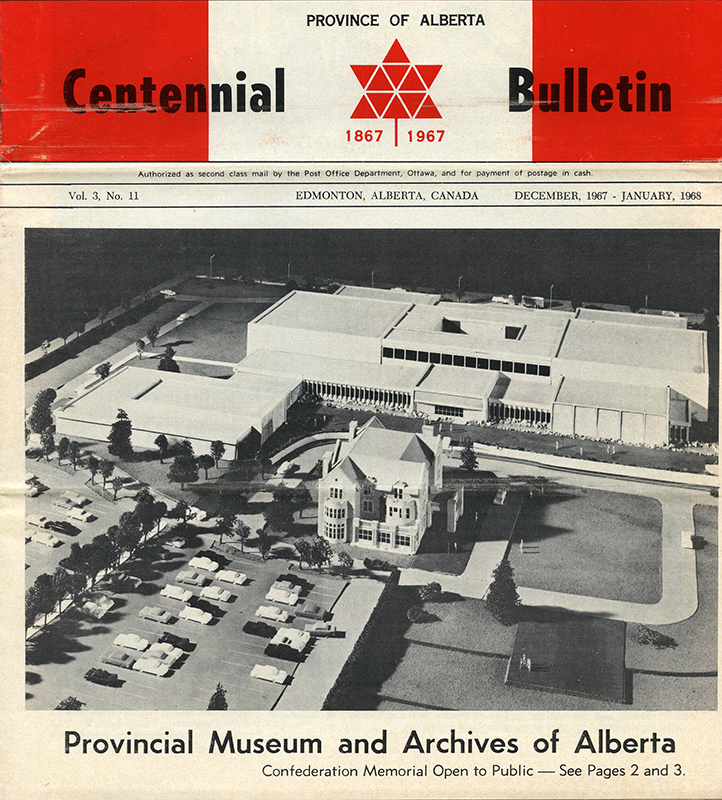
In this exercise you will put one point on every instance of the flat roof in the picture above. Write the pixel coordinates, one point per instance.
(392, 376)
(188, 406)
(632, 345)
(629, 318)
(420, 298)
(443, 380)
(612, 395)
(339, 314)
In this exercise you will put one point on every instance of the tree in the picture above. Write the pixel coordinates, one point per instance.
(160, 509)
(45, 595)
(240, 531)
(31, 608)
(300, 497)
(167, 363)
(321, 552)
(119, 437)
(303, 548)
(106, 468)
(182, 511)
(140, 346)
(70, 704)
(41, 416)
(345, 559)
(74, 454)
(184, 468)
(152, 333)
(103, 370)
(93, 466)
(162, 444)
(217, 451)
(278, 514)
(117, 483)
(265, 543)
(47, 442)
(468, 457)
(218, 700)
(502, 598)
(431, 591)
(205, 462)
(63, 446)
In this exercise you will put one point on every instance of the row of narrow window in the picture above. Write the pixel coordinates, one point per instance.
(468, 362)
(384, 537)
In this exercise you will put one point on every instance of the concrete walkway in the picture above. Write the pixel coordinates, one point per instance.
(679, 574)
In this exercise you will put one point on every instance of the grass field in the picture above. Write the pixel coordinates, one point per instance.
(599, 544)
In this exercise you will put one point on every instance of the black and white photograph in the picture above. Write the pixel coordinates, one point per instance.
(371, 469)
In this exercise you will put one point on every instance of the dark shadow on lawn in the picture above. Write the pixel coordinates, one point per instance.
(32, 678)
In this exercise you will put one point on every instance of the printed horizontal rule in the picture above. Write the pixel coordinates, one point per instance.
(170, 97)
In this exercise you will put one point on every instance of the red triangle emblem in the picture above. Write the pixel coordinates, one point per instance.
(413, 82)
(363, 72)
(396, 55)
(396, 110)
(396, 73)
(364, 110)
(428, 73)
(379, 82)
(379, 100)
(412, 101)
(428, 110)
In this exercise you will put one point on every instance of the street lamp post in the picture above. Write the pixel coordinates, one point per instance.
(551, 295)
(211, 265)
(373, 272)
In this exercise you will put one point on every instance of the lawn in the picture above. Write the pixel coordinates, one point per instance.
(688, 672)
(592, 543)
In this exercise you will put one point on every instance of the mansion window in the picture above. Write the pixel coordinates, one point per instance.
(368, 506)
(336, 493)
(403, 541)
(334, 530)
(384, 537)
(365, 535)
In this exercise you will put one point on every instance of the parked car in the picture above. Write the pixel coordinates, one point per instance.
(287, 586)
(231, 576)
(258, 628)
(155, 613)
(271, 612)
(132, 641)
(98, 606)
(33, 490)
(195, 615)
(165, 652)
(203, 562)
(176, 593)
(102, 677)
(284, 652)
(43, 537)
(79, 514)
(266, 672)
(118, 658)
(38, 520)
(151, 665)
(312, 610)
(60, 526)
(75, 498)
(167, 292)
(292, 637)
(320, 629)
(177, 641)
(183, 317)
(191, 576)
(282, 596)
(216, 593)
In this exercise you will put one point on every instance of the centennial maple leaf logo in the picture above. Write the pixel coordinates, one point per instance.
(396, 89)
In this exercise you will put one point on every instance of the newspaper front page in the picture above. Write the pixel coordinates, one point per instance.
(367, 355)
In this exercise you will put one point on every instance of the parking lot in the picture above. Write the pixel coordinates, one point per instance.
(40, 558)
(220, 651)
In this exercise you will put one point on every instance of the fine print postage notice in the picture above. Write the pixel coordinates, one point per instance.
(360, 382)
